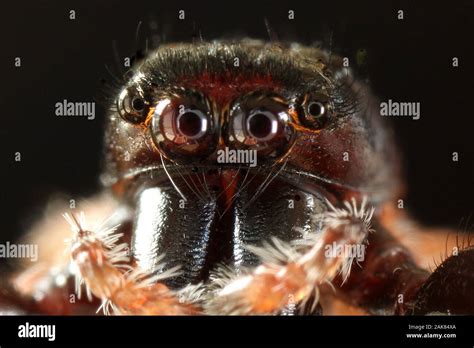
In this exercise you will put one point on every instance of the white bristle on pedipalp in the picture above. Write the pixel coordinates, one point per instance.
(93, 251)
(108, 308)
(275, 252)
(143, 278)
(302, 265)
(337, 216)
(193, 293)
(118, 255)
(356, 224)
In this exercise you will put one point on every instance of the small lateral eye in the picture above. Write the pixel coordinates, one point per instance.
(132, 106)
(315, 113)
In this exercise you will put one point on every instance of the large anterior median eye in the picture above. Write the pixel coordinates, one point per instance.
(183, 128)
(260, 122)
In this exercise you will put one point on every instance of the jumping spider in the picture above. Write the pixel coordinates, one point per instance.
(191, 233)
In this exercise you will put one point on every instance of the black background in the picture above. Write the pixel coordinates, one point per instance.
(408, 60)
(251, 331)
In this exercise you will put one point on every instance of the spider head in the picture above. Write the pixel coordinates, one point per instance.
(217, 145)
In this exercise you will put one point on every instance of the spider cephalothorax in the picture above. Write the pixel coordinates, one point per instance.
(263, 172)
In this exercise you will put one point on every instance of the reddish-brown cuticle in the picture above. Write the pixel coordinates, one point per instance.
(226, 87)
(388, 279)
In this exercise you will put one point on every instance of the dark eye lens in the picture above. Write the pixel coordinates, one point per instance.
(316, 109)
(138, 104)
(262, 125)
(192, 124)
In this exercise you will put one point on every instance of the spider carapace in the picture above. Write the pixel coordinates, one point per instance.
(244, 178)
